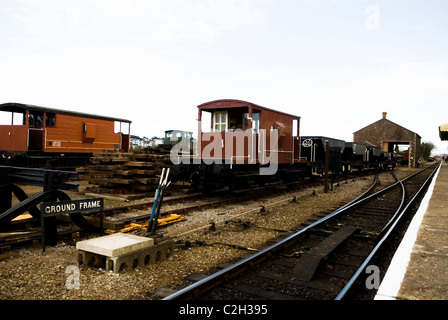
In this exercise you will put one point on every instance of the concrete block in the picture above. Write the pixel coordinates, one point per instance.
(141, 258)
(115, 245)
(122, 252)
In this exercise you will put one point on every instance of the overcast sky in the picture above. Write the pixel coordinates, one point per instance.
(336, 63)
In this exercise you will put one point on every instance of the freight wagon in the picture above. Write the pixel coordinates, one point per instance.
(32, 135)
(242, 145)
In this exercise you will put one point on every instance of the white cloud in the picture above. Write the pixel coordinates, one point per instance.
(161, 20)
(154, 61)
(340, 100)
(193, 20)
(419, 27)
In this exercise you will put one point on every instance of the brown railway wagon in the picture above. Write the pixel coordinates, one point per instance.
(234, 118)
(45, 131)
(242, 145)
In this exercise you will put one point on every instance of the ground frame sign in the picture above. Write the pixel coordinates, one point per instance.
(52, 209)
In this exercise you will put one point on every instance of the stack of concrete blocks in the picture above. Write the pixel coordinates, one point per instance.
(122, 251)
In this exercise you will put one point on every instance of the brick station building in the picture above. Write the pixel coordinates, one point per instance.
(386, 134)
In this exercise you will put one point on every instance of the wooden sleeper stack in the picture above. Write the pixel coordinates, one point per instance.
(117, 172)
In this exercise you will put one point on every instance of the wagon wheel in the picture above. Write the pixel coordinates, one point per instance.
(307, 143)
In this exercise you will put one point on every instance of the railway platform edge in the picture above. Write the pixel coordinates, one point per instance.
(418, 269)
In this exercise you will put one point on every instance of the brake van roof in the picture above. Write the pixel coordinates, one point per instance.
(20, 107)
(232, 103)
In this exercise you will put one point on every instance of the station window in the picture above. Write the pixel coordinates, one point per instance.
(220, 121)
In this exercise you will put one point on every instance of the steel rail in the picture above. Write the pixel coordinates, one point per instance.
(403, 198)
(388, 232)
(181, 210)
(196, 289)
(364, 198)
(221, 276)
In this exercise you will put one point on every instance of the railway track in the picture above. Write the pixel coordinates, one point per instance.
(322, 261)
(197, 201)
(128, 217)
(184, 204)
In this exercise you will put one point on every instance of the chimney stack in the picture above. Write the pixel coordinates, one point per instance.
(384, 115)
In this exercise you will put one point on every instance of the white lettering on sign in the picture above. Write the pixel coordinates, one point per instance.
(73, 207)
(60, 208)
(90, 204)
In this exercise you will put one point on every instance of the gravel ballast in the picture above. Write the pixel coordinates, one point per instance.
(238, 228)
